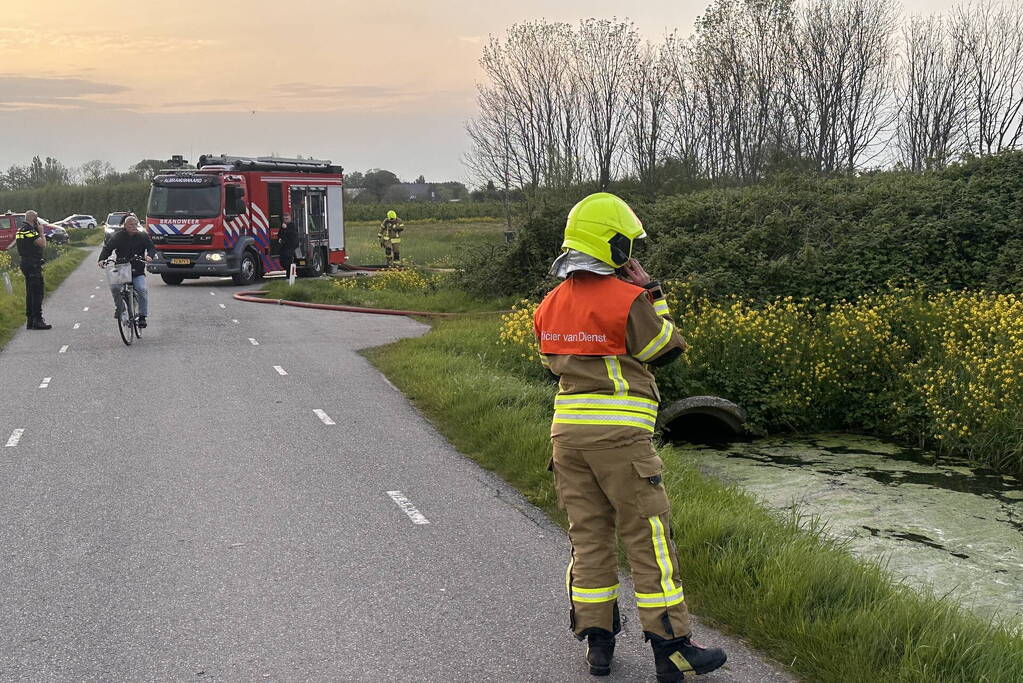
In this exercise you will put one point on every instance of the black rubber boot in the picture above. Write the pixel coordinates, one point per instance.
(40, 324)
(600, 648)
(675, 658)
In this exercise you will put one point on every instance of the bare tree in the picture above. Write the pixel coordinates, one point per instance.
(991, 35)
(933, 98)
(606, 59)
(648, 98)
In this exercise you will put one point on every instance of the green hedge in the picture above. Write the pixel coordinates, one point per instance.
(829, 238)
(57, 201)
(417, 211)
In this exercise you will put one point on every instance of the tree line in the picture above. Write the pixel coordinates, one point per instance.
(759, 87)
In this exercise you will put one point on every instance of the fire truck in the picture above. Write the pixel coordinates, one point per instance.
(222, 218)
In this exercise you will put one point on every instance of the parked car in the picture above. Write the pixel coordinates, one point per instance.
(78, 220)
(8, 230)
(54, 233)
(113, 223)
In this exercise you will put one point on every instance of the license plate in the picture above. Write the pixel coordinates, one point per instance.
(180, 261)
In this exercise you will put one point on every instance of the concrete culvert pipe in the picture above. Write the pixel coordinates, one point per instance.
(702, 419)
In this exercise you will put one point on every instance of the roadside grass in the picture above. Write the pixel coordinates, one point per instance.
(427, 243)
(780, 582)
(357, 291)
(90, 237)
(12, 306)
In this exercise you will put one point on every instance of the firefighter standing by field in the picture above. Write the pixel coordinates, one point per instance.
(390, 237)
(599, 333)
(31, 241)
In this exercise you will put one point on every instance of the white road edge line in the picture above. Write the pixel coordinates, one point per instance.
(253, 341)
(280, 371)
(63, 349)
(324, 418)
(45, 383)
(406, 506)
(15, 438)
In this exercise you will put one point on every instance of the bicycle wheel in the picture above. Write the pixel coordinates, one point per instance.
(135, 310)
(124, 321)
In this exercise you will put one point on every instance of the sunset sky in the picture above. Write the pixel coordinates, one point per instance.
(385, 84)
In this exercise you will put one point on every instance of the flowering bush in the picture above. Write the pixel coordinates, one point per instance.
(942, 369)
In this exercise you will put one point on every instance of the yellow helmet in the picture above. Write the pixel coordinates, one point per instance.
(392, 214)
(603, 226)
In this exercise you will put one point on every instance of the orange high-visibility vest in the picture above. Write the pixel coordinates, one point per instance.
(586, 315)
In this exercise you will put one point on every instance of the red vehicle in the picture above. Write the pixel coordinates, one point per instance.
(8, 230)
(223, 217)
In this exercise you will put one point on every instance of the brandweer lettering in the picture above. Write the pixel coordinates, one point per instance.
(572, 337)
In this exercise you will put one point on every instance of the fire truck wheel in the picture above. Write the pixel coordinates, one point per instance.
(172, 279)
(248, 270)
(315, 268)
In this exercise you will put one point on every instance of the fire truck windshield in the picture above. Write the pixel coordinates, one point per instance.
(184, 202)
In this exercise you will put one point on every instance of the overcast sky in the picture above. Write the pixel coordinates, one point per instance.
(382, 83)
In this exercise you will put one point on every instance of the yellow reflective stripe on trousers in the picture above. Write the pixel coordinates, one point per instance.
(658, 342)
(578, 402)
(661, 307)
(660, 599)
(594, 595)
(614, 373)
(604, 417)
(670, 594)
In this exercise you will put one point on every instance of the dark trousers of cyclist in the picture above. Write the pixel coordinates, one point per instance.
(34, 289)
(139, 283)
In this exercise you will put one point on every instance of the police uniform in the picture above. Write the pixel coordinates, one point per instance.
(32, 268)
(599, 335)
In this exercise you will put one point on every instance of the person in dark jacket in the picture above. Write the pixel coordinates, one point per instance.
(287, 238)
(31, 241)
(128, 244)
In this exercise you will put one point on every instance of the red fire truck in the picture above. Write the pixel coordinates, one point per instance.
(222, 218)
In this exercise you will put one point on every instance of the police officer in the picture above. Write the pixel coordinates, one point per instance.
(31, 241)
(287, 240)
(390, 237)
(600, 331)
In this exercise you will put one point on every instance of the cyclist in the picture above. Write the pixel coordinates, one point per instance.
(132, 246)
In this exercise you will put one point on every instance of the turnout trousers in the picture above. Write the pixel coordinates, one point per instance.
(602, 490)
(34, 290)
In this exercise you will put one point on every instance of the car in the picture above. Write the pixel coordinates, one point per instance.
(77, 221)
(54, 233)
(113, 223)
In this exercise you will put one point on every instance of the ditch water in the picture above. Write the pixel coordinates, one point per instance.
(949, 527)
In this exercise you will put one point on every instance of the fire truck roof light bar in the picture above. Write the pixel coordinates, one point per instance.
(269, 164)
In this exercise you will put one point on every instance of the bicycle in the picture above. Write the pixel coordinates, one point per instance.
(119, 275)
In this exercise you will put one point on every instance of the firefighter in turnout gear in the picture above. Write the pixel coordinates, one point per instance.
(390, 237)
(599, 331)
(31, 241)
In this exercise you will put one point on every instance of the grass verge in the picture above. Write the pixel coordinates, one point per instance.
(12, 306)
(435, 298)
(779, 582)
(434, 244)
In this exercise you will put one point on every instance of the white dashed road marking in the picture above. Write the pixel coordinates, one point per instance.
(234, 321)
(222, 305)
(45, 383)
(280, 371)
(213, 293)
(324, 418)
(253, 341)
(15, 437)
(77, 325)
(406, 506)
(92, 296)
(63, 349)
(85, 309)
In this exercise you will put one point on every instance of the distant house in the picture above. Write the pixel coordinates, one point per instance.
(410, 192)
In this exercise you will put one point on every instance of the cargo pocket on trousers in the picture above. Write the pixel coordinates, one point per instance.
(651, 498)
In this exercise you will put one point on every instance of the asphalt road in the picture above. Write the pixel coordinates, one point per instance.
(179, 510)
